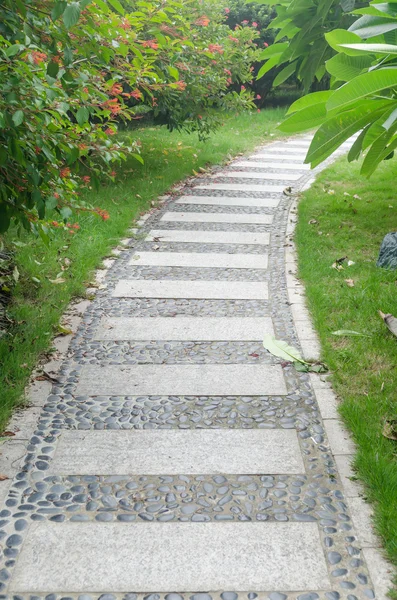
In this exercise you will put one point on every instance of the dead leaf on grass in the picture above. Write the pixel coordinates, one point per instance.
(349, 282)
(390, 430)
(349, 332)
(313, 222)
(390, 321)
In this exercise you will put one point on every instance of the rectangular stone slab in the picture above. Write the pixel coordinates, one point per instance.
(241, 187)
(172, 451)
(201, 217)
(185, 328)
(280, 157)
(170, 557)
(207, 237)
(201, 260)
(182, 380)
(255, 175)
(209, 290)
(228, 201)
(271, 165)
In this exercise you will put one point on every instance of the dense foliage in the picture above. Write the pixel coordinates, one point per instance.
(71, 70)
(301, 48)
(361, 63)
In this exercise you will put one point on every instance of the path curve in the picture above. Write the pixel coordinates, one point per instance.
(176, 458)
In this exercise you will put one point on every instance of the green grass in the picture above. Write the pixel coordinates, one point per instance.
(37, 307)
(364, 369)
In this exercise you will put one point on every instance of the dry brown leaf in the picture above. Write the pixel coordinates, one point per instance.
(3, 477)
(313, 222)
(390, 322)
(390, 430)
(349, 282)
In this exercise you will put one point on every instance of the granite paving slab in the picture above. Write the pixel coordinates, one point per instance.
(249, 451)
(241, 187)
(185, 328)
(243, 290)
(228, 201)
(200, 260)
(275, 165)
(208, 237)
(189, 380)
(256, 175)
(191, 217)
(122, 556)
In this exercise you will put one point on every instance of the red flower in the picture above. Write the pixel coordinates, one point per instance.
(181, 85)
(65, 172)
(215, 48)
(86, 179)
(203, 21)
(125, 25)
(150, 44)
(227, 10)
(243, 88)
(245, 22)
(38, 57)
(113, 105)
(254, 24)
(116, 89)
(265, 44)
(110, 131)
(136, 94)
(233, 39)
(102, 213)
(258, 96)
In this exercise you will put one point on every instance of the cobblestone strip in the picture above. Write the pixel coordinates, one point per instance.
(314, 497)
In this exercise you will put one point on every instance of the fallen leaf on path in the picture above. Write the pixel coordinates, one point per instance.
(349, 282)
(282, 349)
(64, 330)
(390, 321)
(390, 429)
(3, 477)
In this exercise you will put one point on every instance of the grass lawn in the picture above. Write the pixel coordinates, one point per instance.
(364, 369)
(38, 303)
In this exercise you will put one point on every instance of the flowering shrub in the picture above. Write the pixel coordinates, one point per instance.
(70, 70)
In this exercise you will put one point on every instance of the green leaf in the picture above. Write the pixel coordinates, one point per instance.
(139, 158)
(273, 49)
(363, 86)
(345, 67)
(117, 6)
(369, 26)
(173, 72)
(272, 62)
(349, 332)
(339, 128)
(58, 10)
(307, 118)
(71, 14)
(82, 115)
(309, 100)
(18, 117)
(14, 49)
(341, 36)
(356, 148)
(373, 48)
(285, 73)
(53, 69)
(282, 349)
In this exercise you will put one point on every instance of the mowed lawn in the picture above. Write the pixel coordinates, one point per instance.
(346, 215)
(38, 303)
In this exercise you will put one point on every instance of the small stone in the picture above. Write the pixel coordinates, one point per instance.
(201, 597)
(229, 596)
(334, 557)
(13, 540)
(277, 596)
(173, 597)
(388, 252)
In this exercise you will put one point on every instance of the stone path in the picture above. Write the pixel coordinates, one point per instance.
(176, 458)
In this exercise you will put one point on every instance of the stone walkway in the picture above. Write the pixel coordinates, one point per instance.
(176, 458)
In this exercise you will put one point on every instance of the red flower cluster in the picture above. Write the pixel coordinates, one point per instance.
(150, 44)
(203, 21)
(233, 39)
(215, 48)
(38, 57)
(102, 213)
(181, 85)
(113, 105)
(86, 179)
(116, 89)
(136, 94)
(65, 172)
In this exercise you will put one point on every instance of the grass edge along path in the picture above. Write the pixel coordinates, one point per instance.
(49, 278)
(346, 215)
